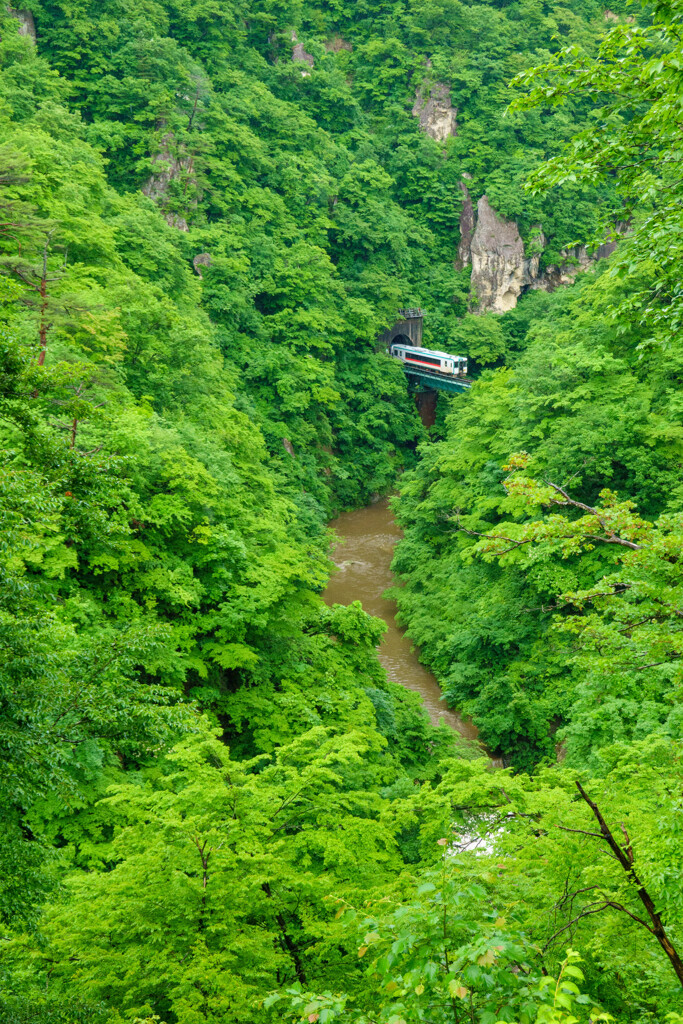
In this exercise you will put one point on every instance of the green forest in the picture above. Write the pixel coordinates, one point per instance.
(215, 806)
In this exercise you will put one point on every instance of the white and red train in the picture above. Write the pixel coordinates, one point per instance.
(426, 359)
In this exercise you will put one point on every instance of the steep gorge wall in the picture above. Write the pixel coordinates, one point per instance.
(501, 267)
(171, 166)
(26, 23)
(437, 115)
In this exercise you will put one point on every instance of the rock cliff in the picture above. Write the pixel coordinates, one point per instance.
(201, 260)
(577, 259)
(27, 25)
(437, 115)
(170, 167)
(300, 56)
(501, 267)
(338, 43)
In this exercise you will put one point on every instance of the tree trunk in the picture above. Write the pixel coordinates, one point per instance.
(286, 938)
(625, 858)
(42, 330)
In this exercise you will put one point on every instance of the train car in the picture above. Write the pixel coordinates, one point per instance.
(427, 359)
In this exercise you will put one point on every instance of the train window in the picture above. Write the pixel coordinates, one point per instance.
(421, 358)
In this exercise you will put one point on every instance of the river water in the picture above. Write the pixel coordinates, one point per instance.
(367, 538)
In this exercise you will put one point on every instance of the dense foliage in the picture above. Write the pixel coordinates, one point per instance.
(214, 805)
(543, 532)
(591, 398)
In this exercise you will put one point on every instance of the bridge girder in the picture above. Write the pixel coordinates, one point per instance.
(422, 378)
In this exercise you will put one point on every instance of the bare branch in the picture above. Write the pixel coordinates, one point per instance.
(584, 913)
(629, 848)
(625, 858)
(581, 831)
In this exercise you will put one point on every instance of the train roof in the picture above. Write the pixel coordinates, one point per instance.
(426, 351)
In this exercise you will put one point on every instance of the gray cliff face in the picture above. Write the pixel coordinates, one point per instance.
(170, 167)
(438, 116)
(338, 43)
(300, 56)
(501, 268)
(27, 25)
(467, 222)
(201, 260)
(577, 259)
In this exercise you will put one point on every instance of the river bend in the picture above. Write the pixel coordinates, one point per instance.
(367, 538)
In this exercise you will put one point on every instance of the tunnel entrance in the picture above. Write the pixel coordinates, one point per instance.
(409, 327)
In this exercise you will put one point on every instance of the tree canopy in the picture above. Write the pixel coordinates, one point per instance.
(215, 806)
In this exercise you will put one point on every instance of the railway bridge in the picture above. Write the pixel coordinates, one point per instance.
(408, 329)
(420, 379)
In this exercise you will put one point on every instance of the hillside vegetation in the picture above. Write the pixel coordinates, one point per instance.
(214, 806)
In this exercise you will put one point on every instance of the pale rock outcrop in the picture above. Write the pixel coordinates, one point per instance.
(437, 115)
(171, 166)
(501, 266)
(299, 55)
(467, 222)
(500, 269)
(27, 26)
(576, 259)
(201, 260)
(336, 43)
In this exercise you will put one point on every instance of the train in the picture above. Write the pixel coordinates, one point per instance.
(436, 362)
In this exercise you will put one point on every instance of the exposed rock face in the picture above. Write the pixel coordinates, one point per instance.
(500, 270)
(27, 25)
(288, 447)
(607, 248)
(203, 259)
(611, 16)
(336, 43)
(466, 229)
(577, 259)
(438, 116)
(171, 167)
(299, 55)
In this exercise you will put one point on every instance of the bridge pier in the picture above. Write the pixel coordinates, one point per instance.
(426, 401)
(424, 383)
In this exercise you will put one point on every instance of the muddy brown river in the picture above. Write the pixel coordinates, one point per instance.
(367, 538)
